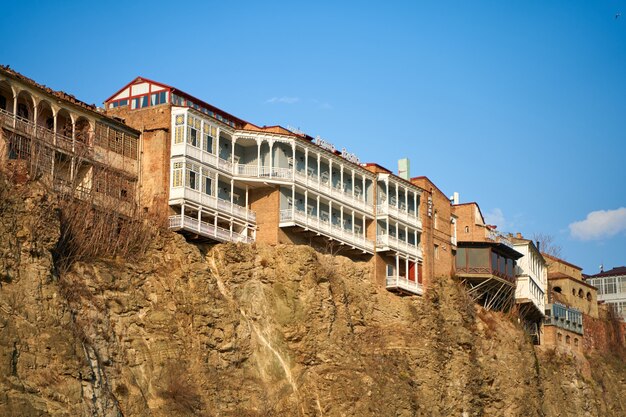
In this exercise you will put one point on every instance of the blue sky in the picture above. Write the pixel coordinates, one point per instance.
(519, 106)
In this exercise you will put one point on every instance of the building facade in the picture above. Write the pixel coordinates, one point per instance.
(611, 287)
(486, 260)
(221, 178)
(68, 144)
(566, 285)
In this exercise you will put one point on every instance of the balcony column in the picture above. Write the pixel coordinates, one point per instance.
(397, 198)
(259, 142)
(293, 204)
(217, 145)
(387, 190)
(232, 190)
(35, 117)
(415, 204)
(306, 202)
(199, 218)
(271, 143)
(318, 209)
(182, 215)
(341, 218)
(397, 235)
(54, 126)
(306, 164)
(406, 269)
(397, 267)
(352, 183)
(247, 206)
(319, 165)
(15, 108)
(72, 169)
(415, 238)
(406, 235)
(330, 173)
(330, 212)
(232, 154)
(352, 224)
(416, 271)
(341, 177)
(364, 191)
(231, 230)
(406, 200)
(364, 231)
(293, 160)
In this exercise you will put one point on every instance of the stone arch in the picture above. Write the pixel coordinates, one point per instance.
(45, 115)
(568, 339)
(589, 296)
(580, 293)
(557, 289)
(64, 123)
(25, 105)
(6, 96)
(559, 337)
(83, 129)
(575, 341)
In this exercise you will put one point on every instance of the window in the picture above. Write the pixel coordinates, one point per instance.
(435, 220)
(209, 133)
(22, 110)
(192, 177)
(557, 289)
(436, 251)
(559, 337)
(177, 175)
(207, 181)
(609, 286)
(575, 341)
(3, 102)
(158, 98)
(144, 101)
(567, 339)
(466, 229)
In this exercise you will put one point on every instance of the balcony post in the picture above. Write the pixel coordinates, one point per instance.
(293, 149)
(387, 191)
(271, 143)
(330, 213)
(318, 210)
(352, 223)
(406, 269)
(415, 205)
(232, 154)
(397, 268)
(330, 173)
(293, 204)
(306, 164)
(364, 231)
(217, 144)
(306, 203)
(352, 184)
(15, 109)
(406, 200)
(182, 214)
(232, 190)
(319, 167)
(341, 178)
(247, 206)
(259, 142)
(341, 218)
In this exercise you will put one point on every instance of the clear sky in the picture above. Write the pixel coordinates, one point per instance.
(519, 106)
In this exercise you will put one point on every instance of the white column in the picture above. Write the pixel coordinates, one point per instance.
(259, 142)
(352, 184)
(330, 173)
(14, 110)
(293, 201)
(247, 206)
(406, 200)
(415, 204)
(232, 153)
(318, 208)
(306, 164)
(341, 177)
(341, 218)
(271, 143)
(306, 202)
(217, 144)
(387, 191)
(293, 148)
(232, 190)
(352, 221)
(397, 268)
(406, 269)
(363, 190)
(319, 167)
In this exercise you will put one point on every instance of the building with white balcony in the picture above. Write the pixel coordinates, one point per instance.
(67, 143)
(531, 285)
(221, 178)
(611, 287)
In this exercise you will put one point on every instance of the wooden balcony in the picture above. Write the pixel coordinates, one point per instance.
(205, 229)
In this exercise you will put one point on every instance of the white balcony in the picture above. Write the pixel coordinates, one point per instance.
(400, 283)
(313, 182)
(399, 214)
(223, 206)
(290, 217)
(205, 229)
(528, 289)
(387, 242)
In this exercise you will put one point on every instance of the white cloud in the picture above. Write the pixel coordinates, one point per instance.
(600, 224)
(496, 216)
(285, 100)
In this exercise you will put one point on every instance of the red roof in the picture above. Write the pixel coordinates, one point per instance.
(619, 270)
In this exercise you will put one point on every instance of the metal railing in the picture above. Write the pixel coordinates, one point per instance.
(403, 283)
(314, 182)
(387, 209)
(207, 229)
(387, 242)
(210, 201)
(325, 227)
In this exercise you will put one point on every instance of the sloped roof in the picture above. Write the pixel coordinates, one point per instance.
(618, 270)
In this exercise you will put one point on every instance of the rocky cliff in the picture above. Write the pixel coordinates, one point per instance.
(237, 330)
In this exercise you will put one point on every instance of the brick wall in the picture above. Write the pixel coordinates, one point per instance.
(604, 334)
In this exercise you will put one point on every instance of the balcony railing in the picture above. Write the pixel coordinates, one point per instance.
(567, 318)
(498, 237)
(205, 229)
(526, 288)
(29, 128)
(396, 282)
(387, 242)
(325, 227)
(210, 201)
(397, 213)
(313, 182)
(484, 270)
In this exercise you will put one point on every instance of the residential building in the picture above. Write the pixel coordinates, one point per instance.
(566, 286)
(68, 144)
(611, 287)
(219, 177)
(562, 328)
(531, 284)
(485, 259)
(439, 231)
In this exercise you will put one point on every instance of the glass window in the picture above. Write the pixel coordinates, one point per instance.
(177, 175)
(494, 261)
(610, 287)
(144, 101)
(478, 257)
(179, 134)
(460, 258)
(509, 267)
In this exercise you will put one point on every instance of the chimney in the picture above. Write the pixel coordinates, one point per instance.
(404, 169)
(518, 235)
(455, 198)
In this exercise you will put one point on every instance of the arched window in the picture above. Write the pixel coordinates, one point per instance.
(466, 229)
(559, 337)
(557, 289)
(567, 339)
(575, 341)
(588, 296)
(580, 293)
(573, 292)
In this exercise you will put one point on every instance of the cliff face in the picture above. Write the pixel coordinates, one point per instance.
(236, 330)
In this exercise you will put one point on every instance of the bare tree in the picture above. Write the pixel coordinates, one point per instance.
(547, 244)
